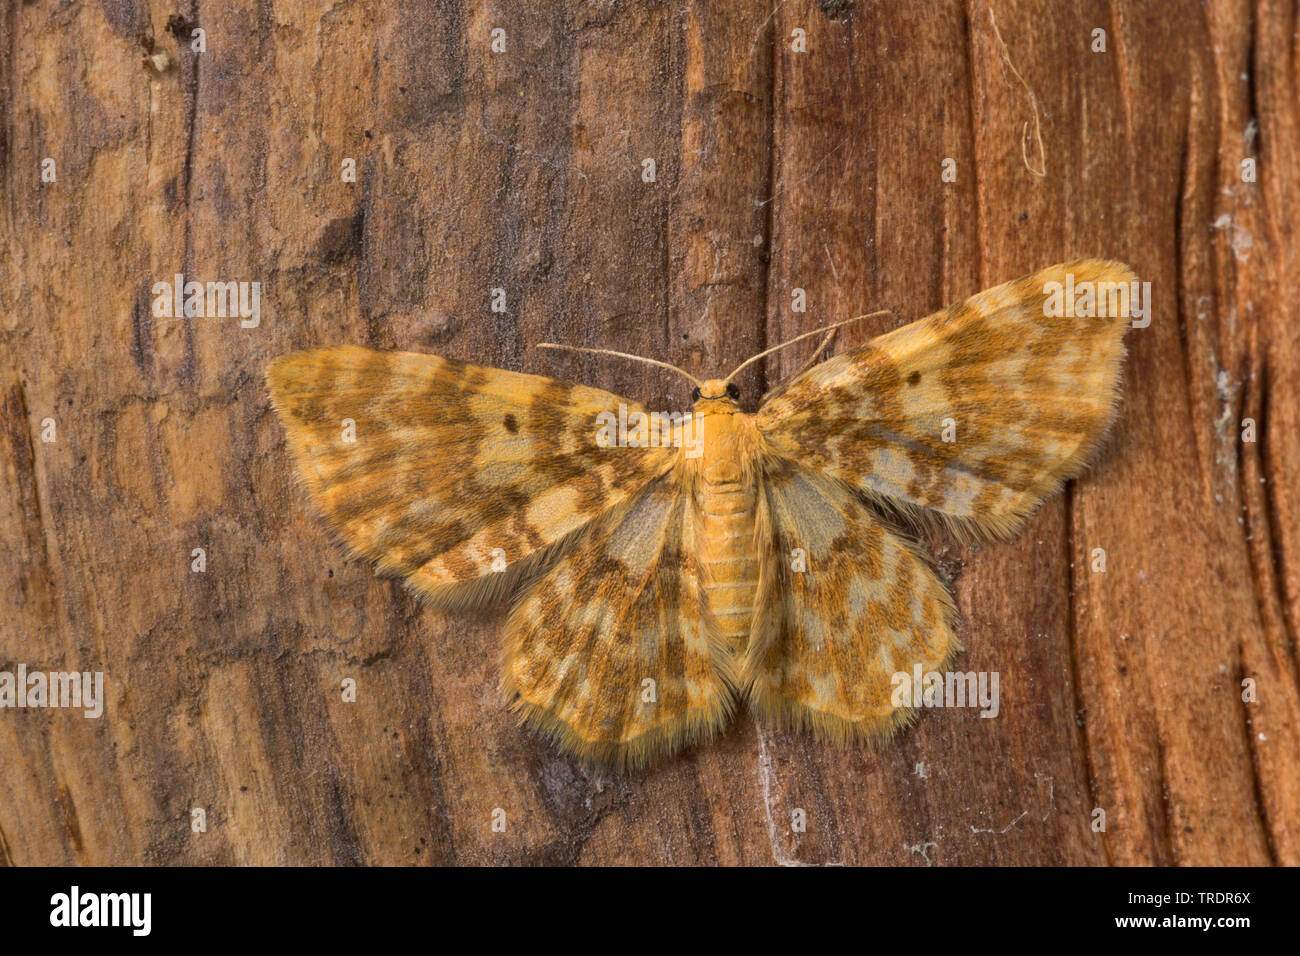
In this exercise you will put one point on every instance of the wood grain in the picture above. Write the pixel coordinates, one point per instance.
(522, 170)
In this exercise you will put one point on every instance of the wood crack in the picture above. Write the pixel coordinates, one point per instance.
(6, 857)
(1257, 786)
(1083, 739)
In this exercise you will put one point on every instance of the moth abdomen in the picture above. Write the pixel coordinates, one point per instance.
(726, 496)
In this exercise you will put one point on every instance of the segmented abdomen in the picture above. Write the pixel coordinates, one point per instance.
(728, 555)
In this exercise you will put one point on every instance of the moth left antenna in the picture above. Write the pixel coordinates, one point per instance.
(799, 338)
(635, 358)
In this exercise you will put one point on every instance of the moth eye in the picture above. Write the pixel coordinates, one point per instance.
(695, 394)
(733, 390)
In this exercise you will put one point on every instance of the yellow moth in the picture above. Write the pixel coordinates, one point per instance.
(654, 585)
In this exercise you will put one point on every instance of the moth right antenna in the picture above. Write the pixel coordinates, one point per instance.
(812, 360)
(635, 358)
(800, 338)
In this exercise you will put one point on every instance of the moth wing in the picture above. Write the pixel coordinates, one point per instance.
(977, 412)
(842, 605)
(454, 469)
(610, 651)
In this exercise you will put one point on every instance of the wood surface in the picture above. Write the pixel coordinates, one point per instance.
(522, 170)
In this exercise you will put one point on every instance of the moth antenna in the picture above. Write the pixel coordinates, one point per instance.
(635, 358)
(812, 360)
(821, 347)
(800, 338)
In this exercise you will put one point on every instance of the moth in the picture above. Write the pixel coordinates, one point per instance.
(753, 558)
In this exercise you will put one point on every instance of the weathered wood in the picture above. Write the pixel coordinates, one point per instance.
(522, 170)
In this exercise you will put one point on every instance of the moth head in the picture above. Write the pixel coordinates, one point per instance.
(716, 389)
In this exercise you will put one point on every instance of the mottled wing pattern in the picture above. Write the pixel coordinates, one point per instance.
(1023, 396)
(610, 651)
(454, 468)
(842, 605)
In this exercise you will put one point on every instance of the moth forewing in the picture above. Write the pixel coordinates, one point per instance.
(973, 414)
(453, 476)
